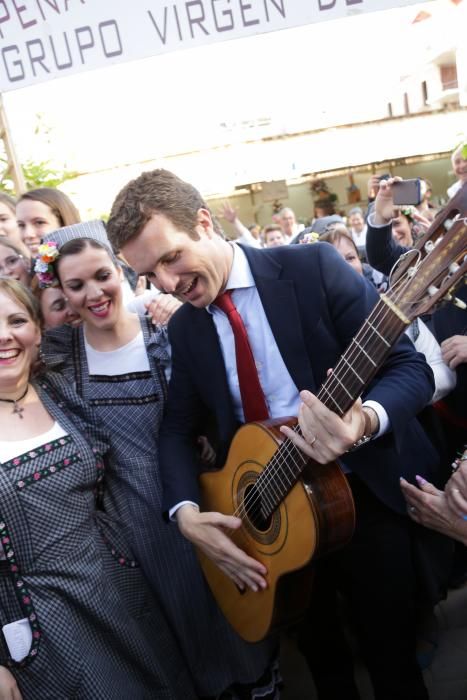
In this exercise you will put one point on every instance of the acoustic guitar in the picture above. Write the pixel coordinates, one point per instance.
(293, 509)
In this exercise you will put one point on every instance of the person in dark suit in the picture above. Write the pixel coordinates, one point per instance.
(448, 323)
(301, 306)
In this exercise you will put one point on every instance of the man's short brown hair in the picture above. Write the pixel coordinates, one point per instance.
(272, 227)
(157, 191)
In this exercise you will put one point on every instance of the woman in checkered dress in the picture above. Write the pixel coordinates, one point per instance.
(70, 628)
(117, 362)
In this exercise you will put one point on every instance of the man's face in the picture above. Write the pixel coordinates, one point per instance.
(274, 238)
(356, 222)
(195, 271)
(287, 223)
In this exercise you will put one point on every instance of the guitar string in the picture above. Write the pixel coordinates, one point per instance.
(277, 466)
(241, 531)
(297, 429)
(277, 461)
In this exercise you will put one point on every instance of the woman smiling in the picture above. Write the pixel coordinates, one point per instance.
(75, 622)
(118, 362)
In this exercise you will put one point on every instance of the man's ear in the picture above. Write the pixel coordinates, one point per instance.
(204, 222)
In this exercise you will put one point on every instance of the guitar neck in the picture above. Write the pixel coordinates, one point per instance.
(363, 358)
(420, 280)
(351, 375)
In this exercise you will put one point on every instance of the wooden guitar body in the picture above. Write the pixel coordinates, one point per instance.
(293, 509)
(315, 517)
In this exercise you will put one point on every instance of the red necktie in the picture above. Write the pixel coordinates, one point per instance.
(254, 403)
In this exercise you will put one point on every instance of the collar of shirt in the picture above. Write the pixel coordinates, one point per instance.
(240, 274)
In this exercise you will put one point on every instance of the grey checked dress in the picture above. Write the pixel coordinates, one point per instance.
(130, 407)
(59, 574)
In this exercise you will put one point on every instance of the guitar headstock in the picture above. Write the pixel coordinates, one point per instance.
(454, 210)
(429, 273)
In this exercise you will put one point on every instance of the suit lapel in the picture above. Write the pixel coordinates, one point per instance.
(282, 311)
(206, 345)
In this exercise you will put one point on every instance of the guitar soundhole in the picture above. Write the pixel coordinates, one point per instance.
(252, 505)
(248, 502)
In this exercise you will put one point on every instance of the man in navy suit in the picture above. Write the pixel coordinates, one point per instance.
(301, 306)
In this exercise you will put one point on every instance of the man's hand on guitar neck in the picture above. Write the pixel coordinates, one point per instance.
(207, 531)
(326, 436)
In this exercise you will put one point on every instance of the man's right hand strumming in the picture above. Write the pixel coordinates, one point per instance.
(207, 531)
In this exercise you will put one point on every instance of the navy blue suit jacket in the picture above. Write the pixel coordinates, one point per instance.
(382, 250)
(315, 303)
(448, 320)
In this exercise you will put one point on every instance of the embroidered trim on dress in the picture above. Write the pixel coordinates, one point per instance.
(24, 599)
(47, 448)
(122, 560)
(115, 378)
(141, 401)
(41, 474)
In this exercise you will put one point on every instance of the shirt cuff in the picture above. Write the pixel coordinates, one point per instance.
(173, 510)
(384, 423)
(371, 221)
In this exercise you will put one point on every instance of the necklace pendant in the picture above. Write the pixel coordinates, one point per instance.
(18, 410)
(16, 407)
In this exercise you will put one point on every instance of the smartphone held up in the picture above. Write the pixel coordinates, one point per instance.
(407, 191)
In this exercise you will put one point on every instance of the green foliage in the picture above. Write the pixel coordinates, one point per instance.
(43, 175)
(35, 174)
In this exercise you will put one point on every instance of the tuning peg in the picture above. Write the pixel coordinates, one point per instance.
(455, 300)
(449, 222)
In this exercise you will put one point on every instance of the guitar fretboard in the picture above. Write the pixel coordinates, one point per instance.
(352, 374)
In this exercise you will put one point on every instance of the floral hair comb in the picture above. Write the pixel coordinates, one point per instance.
(43, 267)
(408, 211)
(311, 237)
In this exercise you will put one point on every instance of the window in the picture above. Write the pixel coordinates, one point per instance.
(424, 93)
(406, 104)
(448, 74)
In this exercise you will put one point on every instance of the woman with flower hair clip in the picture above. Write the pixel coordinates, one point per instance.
(118, 364)
(69, 627)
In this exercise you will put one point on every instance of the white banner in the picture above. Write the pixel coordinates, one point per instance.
(45, 39)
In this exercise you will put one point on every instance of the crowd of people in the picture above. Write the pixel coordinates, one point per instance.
(122, 376)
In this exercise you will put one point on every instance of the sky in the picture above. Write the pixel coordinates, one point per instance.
(282, 82)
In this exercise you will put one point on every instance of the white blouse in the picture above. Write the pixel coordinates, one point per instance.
(9, 449)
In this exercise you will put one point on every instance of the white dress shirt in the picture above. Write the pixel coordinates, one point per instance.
(278, 386)
(281, 393)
